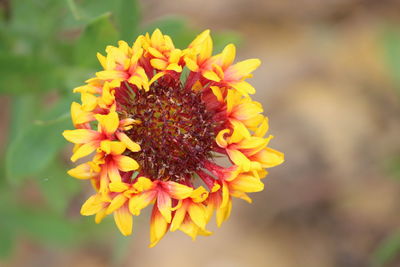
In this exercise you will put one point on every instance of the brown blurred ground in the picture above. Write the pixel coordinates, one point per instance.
(334, 113)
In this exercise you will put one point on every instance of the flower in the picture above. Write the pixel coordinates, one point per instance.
(153, 122)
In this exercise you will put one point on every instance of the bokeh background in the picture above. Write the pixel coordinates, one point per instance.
(329, 82)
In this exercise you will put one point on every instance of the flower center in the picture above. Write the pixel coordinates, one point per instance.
(177, 132)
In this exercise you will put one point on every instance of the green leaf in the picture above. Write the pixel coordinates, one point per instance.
(46, 227)
(96, 36)
(58, 187)
(393, 167)
(387, 251)
(391, 46)
(126, 15)
(24, 109)
(33, 149)
(6, 242)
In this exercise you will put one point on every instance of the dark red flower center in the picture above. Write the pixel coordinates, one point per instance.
(177, 131)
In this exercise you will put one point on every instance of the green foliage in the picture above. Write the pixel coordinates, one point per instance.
(391, 49)
(37, 143)
(387, 251)
(96, 36)
(47, 48)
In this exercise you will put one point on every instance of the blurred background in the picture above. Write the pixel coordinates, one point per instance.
(329, 82)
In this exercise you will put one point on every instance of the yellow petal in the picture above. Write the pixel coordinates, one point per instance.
(125, 163)
(246, 111)
(217, 92)
(154, 52)
(102, 60)
(89, 101)
(177, 190)
(205, 49)
(191, 64)
(199, 39)
(157, 38)
(83, 151)
(243, 87)
(116, 203)
(143, 184)
(123, 220)
(164, 205)
(179, 216)
(175, 67)
(199, 194)
(220, 140)
(118, 187)
(158, 63)
(262, 128)
(223, 213)
(239, 159)
(111, 74)
(225, 195)
(91, 206)
(212, 76)
(113, 172)
(81, 136)
(240, 132)
(269, 157)
(254, 144)
(79, 116)
(112, 147)
(158, 227)
(175, 56)
(108, 123)
(100, 216)
(246, 183)
(197, 213)
(243, 68)
(189, 228)
(140, 201)
(228, 55)
(108, 94)
(83, 171)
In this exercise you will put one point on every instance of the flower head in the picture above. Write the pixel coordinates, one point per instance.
(154, 120)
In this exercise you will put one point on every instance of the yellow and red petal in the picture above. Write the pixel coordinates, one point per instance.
(116, 203)
(84, 150)
(158, 227)
(197, 213)
(132, 146)
(108, 123)
(177, 190)
(178, 218)
(92, 205)
(81, 136)
(125, 163)
(140, 201)
(83, 171)
(164, 204)
(124, 221)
